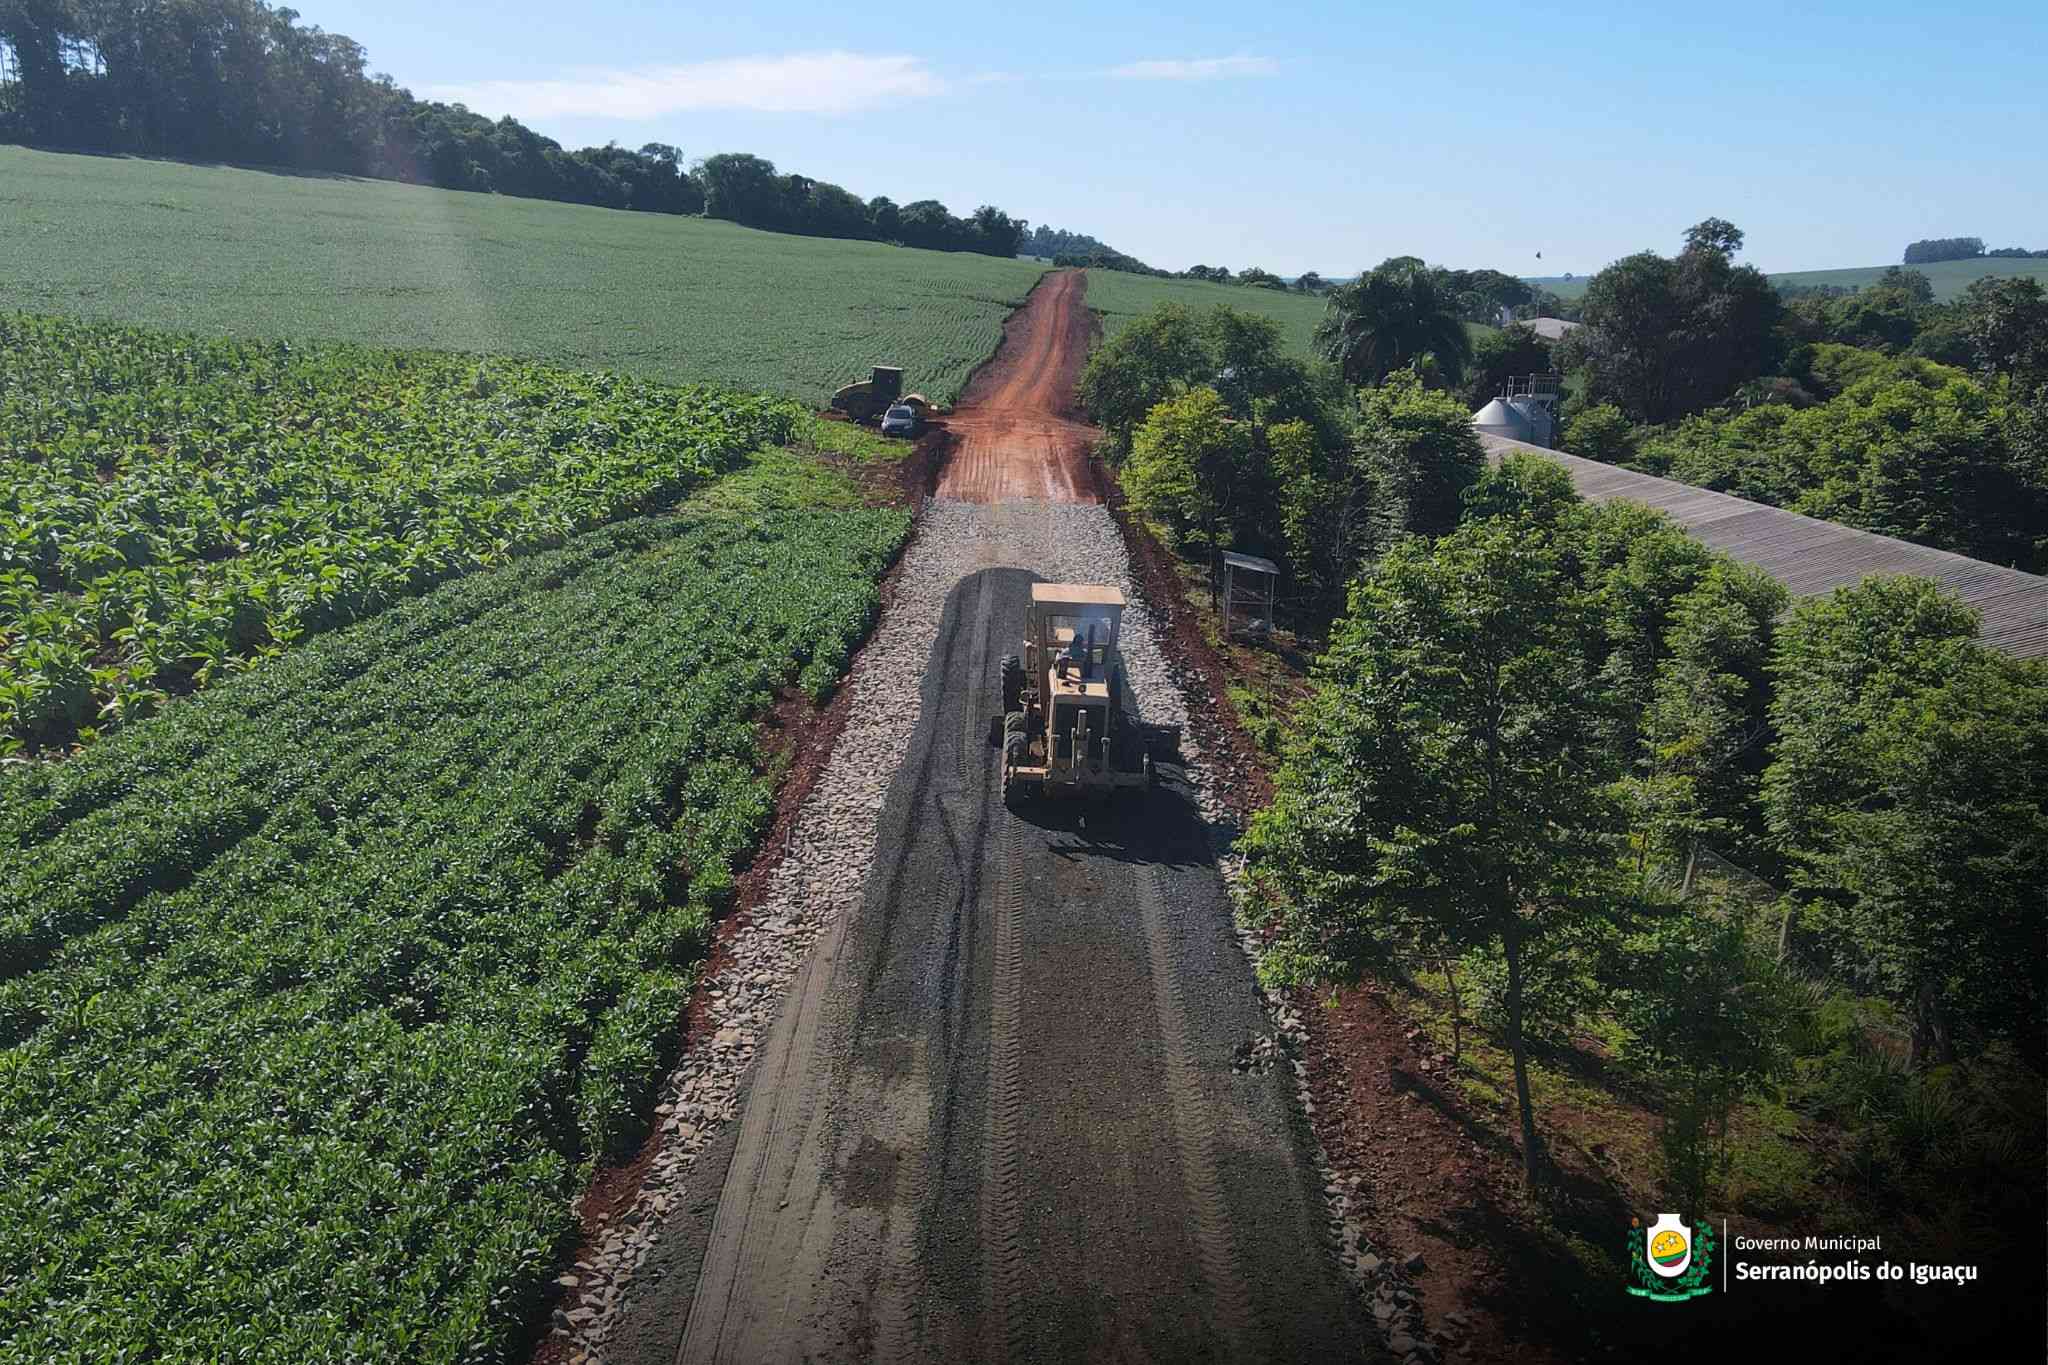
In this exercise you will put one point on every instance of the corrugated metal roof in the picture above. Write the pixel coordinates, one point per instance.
(1550, 329)
(1253, 562)
(1811, 557)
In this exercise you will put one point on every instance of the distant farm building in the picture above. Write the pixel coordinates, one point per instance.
(1551, 329)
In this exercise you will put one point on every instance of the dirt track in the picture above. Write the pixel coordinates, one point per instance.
(1016, 430)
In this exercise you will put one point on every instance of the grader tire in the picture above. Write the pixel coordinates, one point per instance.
(1013, 682)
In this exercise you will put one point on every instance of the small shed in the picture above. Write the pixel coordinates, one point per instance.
(1254, 597)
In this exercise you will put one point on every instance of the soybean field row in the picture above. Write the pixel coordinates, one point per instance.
(172, 508)
(322, 992)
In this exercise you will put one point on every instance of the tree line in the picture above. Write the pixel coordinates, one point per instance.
(1881, 409)
(747, 189)
(1931, 249)
(243, 81)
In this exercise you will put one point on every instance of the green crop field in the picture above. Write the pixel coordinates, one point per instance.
(1120, 297)
(172, 508)
(251, 253)
(321, 992)
(1949, 278)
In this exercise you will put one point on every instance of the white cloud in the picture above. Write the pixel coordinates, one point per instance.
(799, 83)
(1196, 69)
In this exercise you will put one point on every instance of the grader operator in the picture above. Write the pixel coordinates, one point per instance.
(1069, 727)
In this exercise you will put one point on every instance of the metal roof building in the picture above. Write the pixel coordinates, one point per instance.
(1550, 329)
(1810, 556)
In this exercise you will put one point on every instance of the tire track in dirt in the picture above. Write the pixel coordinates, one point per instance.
(1002, 1179)
(1194, 1131)
(1017, 435)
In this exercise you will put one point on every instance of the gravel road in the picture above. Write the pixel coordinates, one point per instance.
(977, 1094)
(986, 1085)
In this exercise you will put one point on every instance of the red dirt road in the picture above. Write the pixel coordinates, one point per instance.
(1016, 434)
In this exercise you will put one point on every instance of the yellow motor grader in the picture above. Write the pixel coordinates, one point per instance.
(1069, 725)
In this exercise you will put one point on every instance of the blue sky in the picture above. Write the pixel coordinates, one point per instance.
(1300, 137)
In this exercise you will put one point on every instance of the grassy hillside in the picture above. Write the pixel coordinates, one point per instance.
(260, 254)
(1949, 278)
(1119, 297)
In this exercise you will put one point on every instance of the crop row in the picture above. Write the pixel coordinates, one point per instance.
(172, 508)
(229, 252)
(320, 992)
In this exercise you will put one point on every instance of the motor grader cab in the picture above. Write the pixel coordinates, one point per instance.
(1069, 725)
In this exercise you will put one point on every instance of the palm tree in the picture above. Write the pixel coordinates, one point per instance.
(1390, 317)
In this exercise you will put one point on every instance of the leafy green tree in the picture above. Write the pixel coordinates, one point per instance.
(997, 233)
(830, 211)
(1504, 353)
(1390, 318)
(1524, 487)
(1906, 790)
(1445, 786)
(742, 188)
(2006, 321)
(1934, 457)
(1250, 365)
(1715, 235)
(2006, 324)
(1932, 249)
(1887, 315)
(1941, 337)
(1481, 294)
(1544, 304)
(1188, 461)
(1334, 511)
(1706, 727)
(1309, 282)
(1635, 563)
(1707, 1016)
(1243, 356)
(1142, 366)
(1422, 444)
(1602, 432)
(1832, 369)
(884, 218)
(1664, 337)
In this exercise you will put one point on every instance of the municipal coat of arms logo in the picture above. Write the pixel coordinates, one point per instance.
(1668, 1261)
